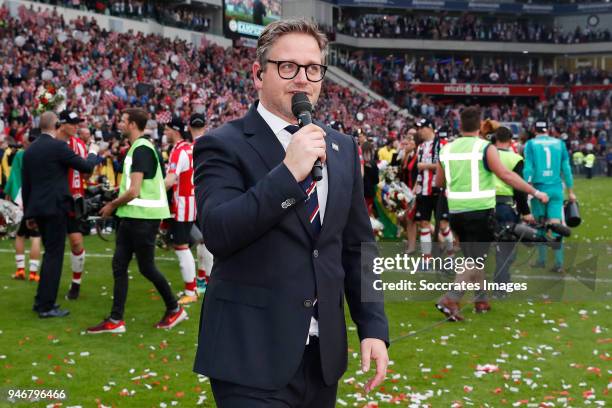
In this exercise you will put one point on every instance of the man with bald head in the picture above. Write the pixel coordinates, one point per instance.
(47, 202)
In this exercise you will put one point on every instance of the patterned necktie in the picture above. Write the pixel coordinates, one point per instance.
(312, 201)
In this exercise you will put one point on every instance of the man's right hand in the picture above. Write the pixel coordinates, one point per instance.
(543, 197)
(307, 145)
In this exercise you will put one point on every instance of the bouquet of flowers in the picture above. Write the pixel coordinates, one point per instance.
(49, 98)
(395, 195)
(10, 217)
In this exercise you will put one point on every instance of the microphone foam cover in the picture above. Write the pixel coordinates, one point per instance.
(300, 103)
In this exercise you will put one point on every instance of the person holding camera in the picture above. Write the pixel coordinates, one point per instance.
(467, 167)
(141, 205)
(546, 166)
(505, 200)
(67, 131)
(47, 202)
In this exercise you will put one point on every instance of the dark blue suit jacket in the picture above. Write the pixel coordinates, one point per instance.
(44, 185)
(267, 268)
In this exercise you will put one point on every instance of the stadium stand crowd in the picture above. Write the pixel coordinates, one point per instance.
(467, 27)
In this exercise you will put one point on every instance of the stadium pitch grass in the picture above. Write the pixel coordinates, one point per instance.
(544, 352)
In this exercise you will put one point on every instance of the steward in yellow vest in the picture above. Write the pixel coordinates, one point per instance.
(508, 202)
(141, 206)
(468, 167)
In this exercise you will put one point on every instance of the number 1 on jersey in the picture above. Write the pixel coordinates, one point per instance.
(548, 157)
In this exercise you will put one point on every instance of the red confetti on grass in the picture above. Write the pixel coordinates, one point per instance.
(594, 370)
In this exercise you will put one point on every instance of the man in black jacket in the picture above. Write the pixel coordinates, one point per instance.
(288, 250)
(46, 201)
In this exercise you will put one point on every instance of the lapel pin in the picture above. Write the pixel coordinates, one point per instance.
(335, 147)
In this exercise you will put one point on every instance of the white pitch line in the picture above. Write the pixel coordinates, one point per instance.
(525, 277)
(93, 255)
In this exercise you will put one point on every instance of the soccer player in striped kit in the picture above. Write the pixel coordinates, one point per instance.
(179, 178)
(197, 123)
(69, 122)
(429, 198)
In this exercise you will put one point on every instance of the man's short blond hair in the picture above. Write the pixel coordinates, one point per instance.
(273, 31)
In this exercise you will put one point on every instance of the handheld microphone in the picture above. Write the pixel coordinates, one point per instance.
(302, 110)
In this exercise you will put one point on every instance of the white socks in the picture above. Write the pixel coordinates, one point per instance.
(78, 264)
(426, 241)
(20, 261)
(187, 267)
(447, 237)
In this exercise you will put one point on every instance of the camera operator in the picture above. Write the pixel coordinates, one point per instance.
(467, 167)
(47, 201)
(506, 197)
(67, 131)
(546, 165)
(179, 179)
(141, 205)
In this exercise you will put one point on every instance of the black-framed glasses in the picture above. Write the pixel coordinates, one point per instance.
(290, 69)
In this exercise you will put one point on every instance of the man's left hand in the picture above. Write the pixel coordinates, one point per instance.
(528, 218)
(108, 210)
(374, 349)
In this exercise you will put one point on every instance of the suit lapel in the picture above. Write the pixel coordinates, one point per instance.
(268, 147)
(262, 139)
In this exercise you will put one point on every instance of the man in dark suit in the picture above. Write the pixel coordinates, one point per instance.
(46, 202)
(287, 250)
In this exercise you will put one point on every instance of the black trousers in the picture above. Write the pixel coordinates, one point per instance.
(475, 231)
(53, 232)
(305, 390)
(135, 236)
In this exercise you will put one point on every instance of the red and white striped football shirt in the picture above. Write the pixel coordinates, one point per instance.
(75, 179)
(183, 206)
(426, 153)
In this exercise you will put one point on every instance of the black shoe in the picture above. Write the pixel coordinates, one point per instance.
(73, 293)
(36, 307)
(57, 312)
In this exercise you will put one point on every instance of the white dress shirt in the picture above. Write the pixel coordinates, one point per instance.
(278, 126)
